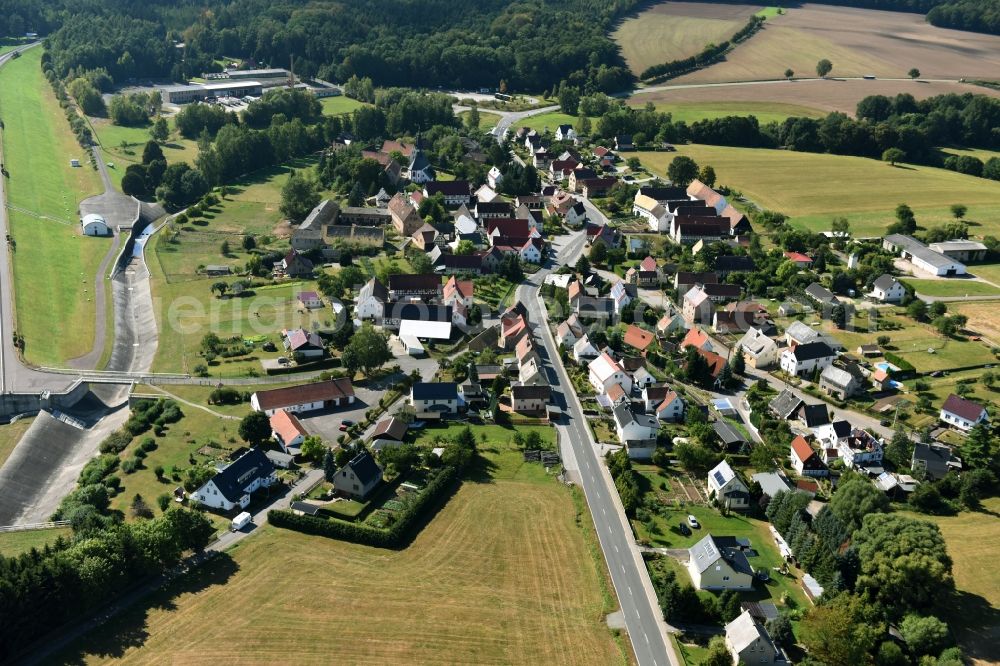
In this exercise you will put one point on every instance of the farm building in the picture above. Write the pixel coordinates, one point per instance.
(304, 398)
(923, 257)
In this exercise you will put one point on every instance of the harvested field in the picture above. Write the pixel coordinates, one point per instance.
(815, 94)
(857, 42)
(674, 30)
(765, 112)
(982, 316)
(503, 574)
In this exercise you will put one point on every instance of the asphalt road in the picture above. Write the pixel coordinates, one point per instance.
(642, 615)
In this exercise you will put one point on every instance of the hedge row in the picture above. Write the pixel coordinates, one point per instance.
(899, 362)
(708, 55)
(363, 534)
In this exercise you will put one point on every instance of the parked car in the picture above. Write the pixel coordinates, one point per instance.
(693, 522)
(685, 530)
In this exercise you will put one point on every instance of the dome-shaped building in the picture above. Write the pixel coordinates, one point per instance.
(94, 225)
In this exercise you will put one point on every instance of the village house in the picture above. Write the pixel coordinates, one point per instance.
(604, 372)
(887, 289)
(405, 286)
(805, 359)
(727, 488)
(821, 295)
(592, 188)
(652, 396)
(458, 291)
(697, 306)
(391, 428)
(698, 339)
(584, 350)
(839, 383)
(405, 219)
(759, 351)
(636, 432)
(637, 338)
(530, 399)
(358, 477)
(785, 404)
(305, 344)
(294, 265)
(455, 192)
(805, 462)
(233, 485)
(934, 460)
(370, 304)
(434, 400)
(963, 414)
(671, 408)
(719, 563)
(304, 397)
(287, 430)
(684, 280)
(802, 261)
(310, 300)
(749, 643)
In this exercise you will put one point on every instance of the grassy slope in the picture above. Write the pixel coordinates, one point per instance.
(866, 191)
(952, 288)
(15, 543)
(112, 138)
(550, 120)
(53, 264)
(656, 36)
(973, 538)
(10, 435)
(501, 575)
(765, 112)
(335, 106)
(487, 120)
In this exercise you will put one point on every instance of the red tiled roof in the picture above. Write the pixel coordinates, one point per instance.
(798, 257)
(695, 338)
(286, 426)
(637, 337)
(304, 393)
(715, 362)
(802, 449)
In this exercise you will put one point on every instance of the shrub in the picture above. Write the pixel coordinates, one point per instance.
(115, 442)
(129, 466)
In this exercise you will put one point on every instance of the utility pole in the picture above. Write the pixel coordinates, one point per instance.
(291, 71)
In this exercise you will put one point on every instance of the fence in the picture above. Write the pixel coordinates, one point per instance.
(34, 526)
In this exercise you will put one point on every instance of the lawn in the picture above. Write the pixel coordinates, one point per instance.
(973, 538)
(37, 147)
(339, 105)
(989, 272)
(866, 193)
(982, 318)
(186, 311)
(766, 112)
(497, 436)
(912, 343)
(10, 435)
(667, 535)
(487, 120)
(15, 543)
(952, 287)
(675, 30)
(504, 573)
(123, 145)
(548, 121)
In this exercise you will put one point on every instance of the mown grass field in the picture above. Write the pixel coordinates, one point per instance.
(866, 191)
(946, 288)
(487, 120)
(15, 543)
(54, 265)
(10, 435)
(550, 121)
(765, 112)
(123, 145)
(674, 30)
(504, 573)
(973, 538)
(339, 105)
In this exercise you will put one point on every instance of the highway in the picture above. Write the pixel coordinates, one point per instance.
(643, 618)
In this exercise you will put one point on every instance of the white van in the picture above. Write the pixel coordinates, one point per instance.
(240, 521)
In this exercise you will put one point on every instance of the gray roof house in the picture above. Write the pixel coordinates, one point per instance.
(771, 483)
(935, 459)
(359, 476)
(785, 404)
(720, 563)
(749, 643)
(821, 294)
(839, 383)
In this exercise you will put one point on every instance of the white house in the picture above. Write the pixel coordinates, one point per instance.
(494, 178)
(305, 397)
(232, 486)
(530, 253)
(287, 431)
(583, 349)
(93, 224)
(565, 133)
(719, 563)
(605, 372)
(749, 643)
(310, 300)
(887, 289)
(568, 332)
(671, 408)
(839, 383)
(636, 432)
(371, 301)
(759, 351)
(802, 360)
(458, 291)
(725, 486)
(620, 296)
(434, 399)
(655, 213)
(576, 215)
(358, 477)
(963, 414)
(805, 462)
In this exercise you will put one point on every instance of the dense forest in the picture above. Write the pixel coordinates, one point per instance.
(528, 44)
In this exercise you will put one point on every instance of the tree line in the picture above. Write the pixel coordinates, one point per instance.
(708, 55)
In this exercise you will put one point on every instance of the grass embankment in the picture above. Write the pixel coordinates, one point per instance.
(502, 574)
(15, 543)
(123, 146)
(10, 435)
(54, 265)
(548, 121)
(487, 120)
(867, 191)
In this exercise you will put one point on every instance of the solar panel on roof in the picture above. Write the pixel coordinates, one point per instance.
(720, 479)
